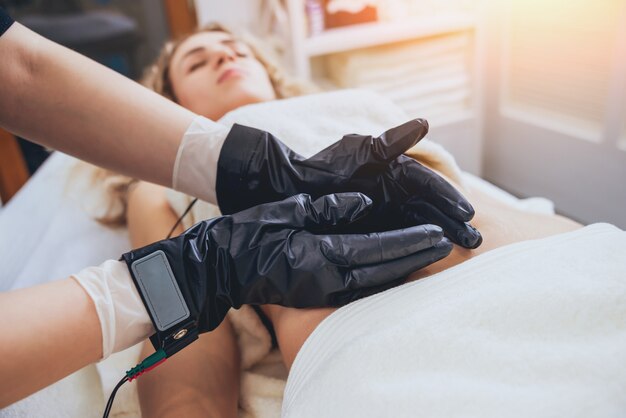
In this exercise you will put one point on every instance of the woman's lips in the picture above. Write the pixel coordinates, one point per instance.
(231, 72)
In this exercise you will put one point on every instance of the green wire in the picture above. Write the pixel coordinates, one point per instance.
(146, 364)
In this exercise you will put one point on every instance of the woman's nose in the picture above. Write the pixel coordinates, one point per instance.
(222, 56)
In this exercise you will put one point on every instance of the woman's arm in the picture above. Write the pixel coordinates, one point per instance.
(59, 98)
(149, 216)
(203, 379)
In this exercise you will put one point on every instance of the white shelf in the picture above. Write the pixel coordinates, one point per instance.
(380, 33)
(456, 129)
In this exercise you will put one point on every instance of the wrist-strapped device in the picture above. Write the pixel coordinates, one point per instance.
(175, 327)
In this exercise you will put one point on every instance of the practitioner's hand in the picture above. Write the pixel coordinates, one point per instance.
(255, 167)
(288, 253)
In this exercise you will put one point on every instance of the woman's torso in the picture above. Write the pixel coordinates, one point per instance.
(499, 223)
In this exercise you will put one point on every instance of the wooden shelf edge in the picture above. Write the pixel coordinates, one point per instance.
(381, 33)
(13, 170)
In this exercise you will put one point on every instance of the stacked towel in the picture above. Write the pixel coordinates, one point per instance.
(429, 78)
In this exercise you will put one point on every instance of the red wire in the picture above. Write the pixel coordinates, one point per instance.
(146, 370)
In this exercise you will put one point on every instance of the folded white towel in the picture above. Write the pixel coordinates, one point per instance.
(532, 329)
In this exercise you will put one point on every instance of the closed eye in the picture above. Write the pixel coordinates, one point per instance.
(196, 65)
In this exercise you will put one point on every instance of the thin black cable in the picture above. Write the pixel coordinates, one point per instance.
(107, 410)
(193, 202)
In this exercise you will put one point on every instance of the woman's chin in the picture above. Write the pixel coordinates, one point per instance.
(232, 101)
(245, 98)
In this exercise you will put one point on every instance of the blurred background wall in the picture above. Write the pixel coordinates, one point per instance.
(529, 94)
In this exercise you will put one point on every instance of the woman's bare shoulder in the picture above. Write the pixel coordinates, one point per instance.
(144, 194)
(149, 214)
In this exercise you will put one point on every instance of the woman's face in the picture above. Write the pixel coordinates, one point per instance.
(212, 74)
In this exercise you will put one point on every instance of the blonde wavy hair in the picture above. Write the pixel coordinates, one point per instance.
(156, 77)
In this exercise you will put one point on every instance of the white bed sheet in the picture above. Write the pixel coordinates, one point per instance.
(46, 233)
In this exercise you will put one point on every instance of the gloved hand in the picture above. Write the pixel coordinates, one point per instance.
(255, 167)
(286, 253)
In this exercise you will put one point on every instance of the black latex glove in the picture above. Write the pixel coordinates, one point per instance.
(255, 167)
(286, 253)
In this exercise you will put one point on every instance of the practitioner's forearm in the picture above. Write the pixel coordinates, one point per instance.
(58, 98)
(47, 332)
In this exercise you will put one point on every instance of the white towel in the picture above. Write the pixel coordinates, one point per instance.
(532, 329)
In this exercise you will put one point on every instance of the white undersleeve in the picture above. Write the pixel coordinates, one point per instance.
(124, 320)
(195, 170)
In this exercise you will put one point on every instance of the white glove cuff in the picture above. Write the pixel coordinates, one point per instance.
(124, 320)
(195, 170)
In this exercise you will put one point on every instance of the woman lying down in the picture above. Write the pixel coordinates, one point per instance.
(381, 356)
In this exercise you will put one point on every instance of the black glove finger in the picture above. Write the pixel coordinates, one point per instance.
(461, 233)
(431, 187)
(379, 247)
(358, 152)
(302, 212)
(395, 141)
(379, 274)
